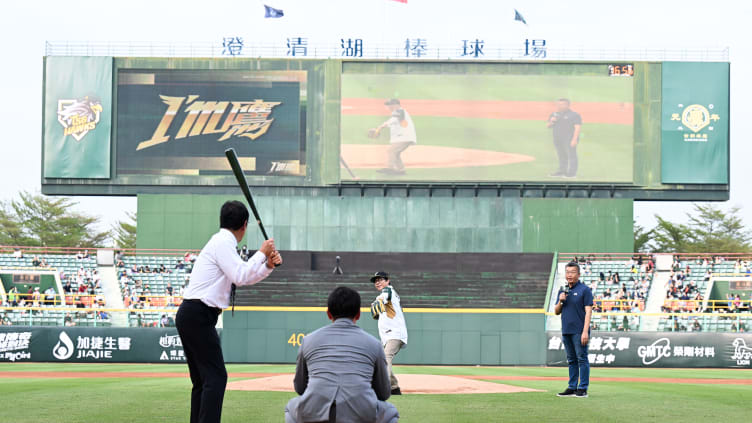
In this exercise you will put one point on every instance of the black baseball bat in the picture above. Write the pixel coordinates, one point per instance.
(232, 157)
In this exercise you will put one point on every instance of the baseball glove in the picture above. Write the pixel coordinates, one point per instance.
(377, 307)
(373, 133)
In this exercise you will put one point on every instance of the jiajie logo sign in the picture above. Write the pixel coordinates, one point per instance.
(695, 117)
(78, 116)
(248, 119)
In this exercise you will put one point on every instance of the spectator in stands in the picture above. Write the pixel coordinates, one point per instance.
(102, 315)
(617, 278)
(17, 253)
(737, 303)
(119, 255)
(79, 255)
(68, 320)
(594, 285)
(179, 265)
(164, 321)
(168, 288)
(36, 297)
(602, 277)
(82, 287)
(696, 326)
(13, 296)
(120, 263)
(35, 261)
(162, 268)
(49, 295)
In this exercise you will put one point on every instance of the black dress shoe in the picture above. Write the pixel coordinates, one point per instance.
(567, 393)
(396, 391)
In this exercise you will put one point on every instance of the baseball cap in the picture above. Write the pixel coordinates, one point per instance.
(392, 101)
(379, 275)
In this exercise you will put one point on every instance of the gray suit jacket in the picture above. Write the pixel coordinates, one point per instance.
(341, 362)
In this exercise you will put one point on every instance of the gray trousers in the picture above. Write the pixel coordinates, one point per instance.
(394, 152)
(386, 413)
(391, 349)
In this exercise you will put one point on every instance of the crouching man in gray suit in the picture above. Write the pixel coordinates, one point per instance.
(341, 373)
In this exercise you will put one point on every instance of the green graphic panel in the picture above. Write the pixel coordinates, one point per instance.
(695, 123)
(77, 117)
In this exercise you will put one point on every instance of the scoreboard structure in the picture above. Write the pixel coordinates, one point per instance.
(477, 141)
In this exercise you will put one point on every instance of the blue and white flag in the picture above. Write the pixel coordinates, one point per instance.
(270, 12)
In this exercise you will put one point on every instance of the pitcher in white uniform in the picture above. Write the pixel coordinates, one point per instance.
(401, 136)
(392, 329)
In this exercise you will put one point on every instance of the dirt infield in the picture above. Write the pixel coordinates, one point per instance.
(591, 112)
(418, 384)
(409, 384)
(427, 156)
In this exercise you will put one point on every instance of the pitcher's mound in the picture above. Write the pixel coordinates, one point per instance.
(359, 156)
(409, 383)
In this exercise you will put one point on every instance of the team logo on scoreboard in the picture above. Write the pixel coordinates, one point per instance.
(78, 116)
(249, 119)
(695, 117)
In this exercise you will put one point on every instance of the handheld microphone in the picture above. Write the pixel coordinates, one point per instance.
(565, 290)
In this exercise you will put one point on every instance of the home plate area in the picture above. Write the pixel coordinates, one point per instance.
(409, 384)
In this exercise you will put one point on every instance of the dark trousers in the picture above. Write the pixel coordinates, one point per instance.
(577, 358)
(196, 323)
(567, 157)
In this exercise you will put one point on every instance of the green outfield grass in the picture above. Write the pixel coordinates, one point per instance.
(488, 87)
(167, 399)
(605, 151)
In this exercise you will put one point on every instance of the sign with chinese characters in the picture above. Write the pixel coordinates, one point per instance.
(659, 349)
(14, 346)
(695, 123)
(179, 122)
(90, 344)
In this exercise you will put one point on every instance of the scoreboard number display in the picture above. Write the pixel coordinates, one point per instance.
(624, 69)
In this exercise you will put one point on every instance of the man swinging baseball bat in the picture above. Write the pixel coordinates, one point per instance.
(217, 269)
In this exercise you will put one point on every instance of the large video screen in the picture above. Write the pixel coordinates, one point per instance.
(526, 123)
(179, 122)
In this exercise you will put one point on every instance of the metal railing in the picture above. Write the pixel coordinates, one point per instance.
(504, 51)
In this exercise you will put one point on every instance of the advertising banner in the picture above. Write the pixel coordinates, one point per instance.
(660, 349)
(695, 123)
(90, 344)
(77, 117)
(179, 122)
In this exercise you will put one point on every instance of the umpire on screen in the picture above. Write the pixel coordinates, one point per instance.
(217, 268)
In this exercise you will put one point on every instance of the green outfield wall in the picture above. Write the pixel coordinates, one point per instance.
(415, 224)
(502, 337)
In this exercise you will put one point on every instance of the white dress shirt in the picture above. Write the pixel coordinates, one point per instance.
(219, 266)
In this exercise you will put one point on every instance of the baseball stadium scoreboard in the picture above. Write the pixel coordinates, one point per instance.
(127, 126)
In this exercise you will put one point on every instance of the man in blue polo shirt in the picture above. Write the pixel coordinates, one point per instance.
(575, 306)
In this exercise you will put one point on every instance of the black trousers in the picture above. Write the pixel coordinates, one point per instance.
(196, 323)
(567, 157)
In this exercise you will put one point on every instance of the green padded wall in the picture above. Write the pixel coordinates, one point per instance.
(433, 338)
(577, 225)
(347, 223)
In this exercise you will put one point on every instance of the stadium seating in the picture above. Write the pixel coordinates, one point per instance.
(144, 314)
(67, 267)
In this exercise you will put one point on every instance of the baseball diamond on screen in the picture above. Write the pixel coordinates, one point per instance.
(528, 122)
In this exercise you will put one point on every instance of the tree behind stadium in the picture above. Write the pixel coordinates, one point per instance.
(38, 220)
(709, 230)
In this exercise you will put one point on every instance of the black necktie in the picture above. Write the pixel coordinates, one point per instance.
(232, 298)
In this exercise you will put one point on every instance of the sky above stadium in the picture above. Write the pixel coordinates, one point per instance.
(674, 25)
